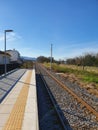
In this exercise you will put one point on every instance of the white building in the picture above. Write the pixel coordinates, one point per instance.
(2, 58)
(15, 56)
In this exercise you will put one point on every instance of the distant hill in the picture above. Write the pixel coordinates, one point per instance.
(25, 58)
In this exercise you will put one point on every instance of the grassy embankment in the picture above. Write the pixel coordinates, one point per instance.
(88, 75)
(27, 64)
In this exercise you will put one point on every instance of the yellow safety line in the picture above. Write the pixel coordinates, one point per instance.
(15, 119)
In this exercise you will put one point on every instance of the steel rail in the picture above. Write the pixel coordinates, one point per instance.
(64, 125)
(73, 94)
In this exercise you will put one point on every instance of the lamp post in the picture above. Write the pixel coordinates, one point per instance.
(5, 31)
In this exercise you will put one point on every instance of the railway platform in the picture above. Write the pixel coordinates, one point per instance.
(18, 101)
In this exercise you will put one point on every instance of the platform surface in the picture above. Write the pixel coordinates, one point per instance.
(18, 111)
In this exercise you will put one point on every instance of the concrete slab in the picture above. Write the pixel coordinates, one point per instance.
(8, 82)
(30, 107)
(3, 119)
(10, 101)
(30, 121)
(0, 128)
(5, 109)
(7, 104)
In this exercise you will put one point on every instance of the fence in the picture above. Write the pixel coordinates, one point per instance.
(9, 67)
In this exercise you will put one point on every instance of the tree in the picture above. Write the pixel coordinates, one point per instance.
(89, 59)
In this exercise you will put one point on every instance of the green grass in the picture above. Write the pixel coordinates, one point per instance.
(90, 79)
(84, 75)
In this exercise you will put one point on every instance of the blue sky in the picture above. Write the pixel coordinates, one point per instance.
(70, 25)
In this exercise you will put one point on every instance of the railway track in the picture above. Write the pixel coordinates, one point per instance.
(87, 115)
(50, 115)
(91, 99)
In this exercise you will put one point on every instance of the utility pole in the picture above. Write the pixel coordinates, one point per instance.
(5, 31)
(51, 58)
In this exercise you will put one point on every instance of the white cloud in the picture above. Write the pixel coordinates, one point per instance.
(32, 52)
(66, 51)
(80, 51)
(1, 37)
(26, 51)
(10, 37)
(70, 50)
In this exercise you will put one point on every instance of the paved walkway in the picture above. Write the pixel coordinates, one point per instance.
(18, 111)
(8, 82)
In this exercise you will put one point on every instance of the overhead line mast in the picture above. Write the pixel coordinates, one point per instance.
(51, 57)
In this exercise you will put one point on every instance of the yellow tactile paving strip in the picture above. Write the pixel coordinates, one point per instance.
(16, 116)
